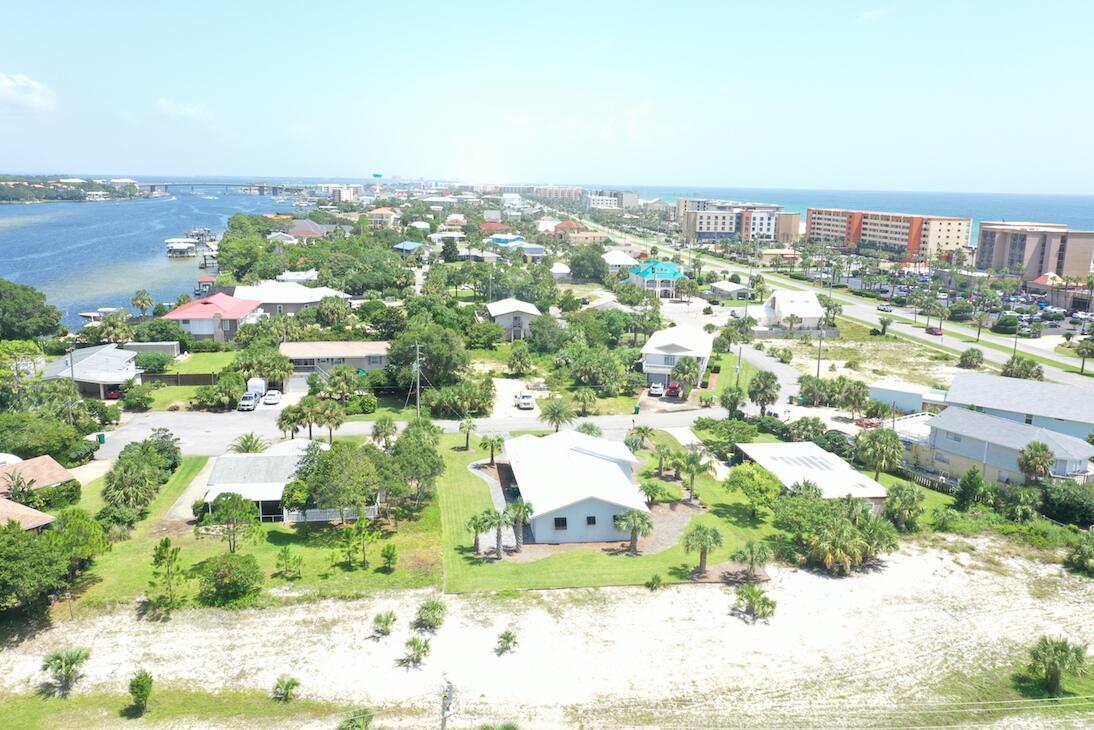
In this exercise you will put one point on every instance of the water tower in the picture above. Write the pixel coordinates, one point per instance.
(376, 176)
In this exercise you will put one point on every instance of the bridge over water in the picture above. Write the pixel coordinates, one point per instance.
(262, 188)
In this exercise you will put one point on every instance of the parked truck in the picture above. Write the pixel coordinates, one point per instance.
(257, 386)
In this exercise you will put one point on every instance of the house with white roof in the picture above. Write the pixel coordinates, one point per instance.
(731, 290)
(286, 297)
(618, 260)
(576, 485)
(514, 316)
(282, 238)
(667, 347)
(960, 439)
(782, 304)
(95, 370)
(794, 463)
(560, 271)
(299, 277)
(1054, 406)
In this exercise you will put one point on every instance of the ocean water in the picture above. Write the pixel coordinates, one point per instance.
(89, 255)
(1077, 211)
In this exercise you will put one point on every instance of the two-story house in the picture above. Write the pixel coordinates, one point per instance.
(667, 347)
(514, 316)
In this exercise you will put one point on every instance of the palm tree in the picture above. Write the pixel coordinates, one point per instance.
(498, 521)
(635, 522)
(792, 320)
(130, 484)
(1051, 659)
(519, 514)
(754, 601)
(981, 319)
(331, 416)
(730, 399)
(249, 443)
(383, 431)
(476, 525)
(142, 300)
(763, 390)
(311, 411)
(855, 397)
(663, 452)
(686, 373)
(21, 490)
(754, 554)
(904, 505)
(494, 443)
(585, 398)
(702, 539)
(878, 534)
(467, 427)
(839, 546)
(693, 465)
(644, 434)
(557, 412)
(880, 448)
(1084, 349)
(290, 420)
(64, 665)
(651, 491)
(1035, 461)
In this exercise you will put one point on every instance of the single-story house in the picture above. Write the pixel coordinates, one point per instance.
(657, 276)
(546, 225)
(581, 238)
(1056, 406)
(441, 236)
(476, 254)
(44, 471)
(576, 485)
(961, 439)
(216, 317)
(408, 248)
(793, 463)
(771, 256)
(905, 397)
(618, 261)
(803, 304)
(304, 229)
(514, 316)
(286, 297)
(456, 220)
(299, 277)
(95, 370)
(27, 518)
(667, 347)
(420, 225)
(493, 227)
(259, 477)
(560, 271)
(730, 290)
(308, 357)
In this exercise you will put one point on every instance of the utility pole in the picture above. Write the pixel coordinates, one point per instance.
(418, 379)
(448, 697)
(72, 379)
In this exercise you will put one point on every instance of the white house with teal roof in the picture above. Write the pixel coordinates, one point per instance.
(657, 276)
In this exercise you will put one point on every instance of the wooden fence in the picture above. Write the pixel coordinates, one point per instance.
(180, 378)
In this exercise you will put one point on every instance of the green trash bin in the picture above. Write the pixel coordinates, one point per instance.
(636, 408)
(101, 437)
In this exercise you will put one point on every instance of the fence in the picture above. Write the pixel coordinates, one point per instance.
(327, 515)
(778, 332)
(180, 378)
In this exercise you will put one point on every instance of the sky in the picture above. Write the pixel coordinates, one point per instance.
(958, 95)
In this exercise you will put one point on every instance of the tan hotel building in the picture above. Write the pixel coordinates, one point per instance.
(895, 236)
(1033, 249)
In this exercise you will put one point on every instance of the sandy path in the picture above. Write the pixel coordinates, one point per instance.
(608, 657)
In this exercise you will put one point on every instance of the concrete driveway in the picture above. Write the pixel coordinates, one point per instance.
(504, 391)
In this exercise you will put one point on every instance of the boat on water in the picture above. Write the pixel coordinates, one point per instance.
(181, 247)
(98, 314)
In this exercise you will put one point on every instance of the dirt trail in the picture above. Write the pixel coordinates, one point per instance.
(611, 657)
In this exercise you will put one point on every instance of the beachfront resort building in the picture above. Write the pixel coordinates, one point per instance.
(96, 370)
(893, 236)
(665, 348)
(659, 277)
(576, 485)
(513, 316)
(1031, 250)
(217, 317)
(611, 201)
(703, 220)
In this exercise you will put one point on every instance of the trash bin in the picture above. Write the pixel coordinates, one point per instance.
(101, 437)
(636, 408)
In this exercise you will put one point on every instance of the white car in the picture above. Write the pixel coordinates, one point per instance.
(657, 390)
(524, 401)
(272, 397)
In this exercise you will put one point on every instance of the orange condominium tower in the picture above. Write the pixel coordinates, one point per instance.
(895, 236)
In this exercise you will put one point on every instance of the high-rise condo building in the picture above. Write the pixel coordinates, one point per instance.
(613, 200)
(894, 236)
(1033, 249)
(711, 220)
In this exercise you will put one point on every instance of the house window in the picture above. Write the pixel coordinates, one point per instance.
(1029, 418)
(226, 325)
(590, 520)
(186, 321)
(941, 458)
(280, 308)
(953, 436)
(560, 523)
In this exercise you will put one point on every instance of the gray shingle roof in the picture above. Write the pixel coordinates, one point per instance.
(1051, 400)
(1009, 434)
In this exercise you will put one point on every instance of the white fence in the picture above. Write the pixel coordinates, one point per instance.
(327, 515)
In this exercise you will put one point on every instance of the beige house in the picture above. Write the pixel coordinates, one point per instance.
(310, 357)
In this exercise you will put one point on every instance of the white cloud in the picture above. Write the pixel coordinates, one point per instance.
(875, 14)
(24, 92)
(192, 112)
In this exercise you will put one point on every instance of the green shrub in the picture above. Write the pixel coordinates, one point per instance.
(382, 623)
(655, 582)
(230, 579)
(1067, 501)
(430, 615)
(154, 362)
(137, 397)
(60, 495)
(140, 689)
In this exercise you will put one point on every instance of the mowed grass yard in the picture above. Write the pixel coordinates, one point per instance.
(123, 573)
(168, 395)
(463, 494)
(202, 362)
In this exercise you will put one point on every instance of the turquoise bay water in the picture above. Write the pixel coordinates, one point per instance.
(89, 255)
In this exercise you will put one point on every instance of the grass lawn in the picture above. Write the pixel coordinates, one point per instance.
(932, 499)
(463, 494)
(91, 496)
(389, 405)
(498, 359)
(123, 573)
(615, 406)
(203, 362)
(168, 705)
(727, 378)
(168, 394)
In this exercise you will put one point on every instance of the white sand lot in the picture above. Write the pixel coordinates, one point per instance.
(836, 653)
